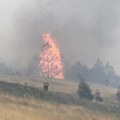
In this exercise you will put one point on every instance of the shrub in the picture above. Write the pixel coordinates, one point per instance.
(84, 91)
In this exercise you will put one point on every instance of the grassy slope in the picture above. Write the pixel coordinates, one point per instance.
(12, 108)
(62, 101)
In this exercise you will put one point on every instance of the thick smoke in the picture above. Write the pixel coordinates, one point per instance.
(84, 29)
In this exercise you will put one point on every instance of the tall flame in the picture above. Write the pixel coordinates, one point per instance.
(50, 58)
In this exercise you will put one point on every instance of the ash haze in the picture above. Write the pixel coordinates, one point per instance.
(84, 29)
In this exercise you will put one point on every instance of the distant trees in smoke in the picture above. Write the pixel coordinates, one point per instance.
(3, 68)
(7, 70)
(99, 73)
(33, 68)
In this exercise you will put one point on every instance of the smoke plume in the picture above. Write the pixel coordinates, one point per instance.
(84, 29)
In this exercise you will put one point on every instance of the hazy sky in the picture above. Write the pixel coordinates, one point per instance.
(84, 29)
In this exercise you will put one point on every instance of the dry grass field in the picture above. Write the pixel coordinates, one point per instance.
(63, 86)
(12, 108)
(30, 108)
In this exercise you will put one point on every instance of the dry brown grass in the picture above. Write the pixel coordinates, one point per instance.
(64, 86)
(12, 108)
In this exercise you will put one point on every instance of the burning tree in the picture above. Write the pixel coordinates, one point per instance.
(50, 59)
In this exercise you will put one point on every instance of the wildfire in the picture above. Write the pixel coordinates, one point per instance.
(50, 58)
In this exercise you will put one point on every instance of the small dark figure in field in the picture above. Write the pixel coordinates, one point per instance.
(98, 96)
(46, 85)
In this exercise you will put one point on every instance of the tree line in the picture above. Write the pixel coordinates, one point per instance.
(99, 73)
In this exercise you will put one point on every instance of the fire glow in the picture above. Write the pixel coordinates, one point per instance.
(50, 58)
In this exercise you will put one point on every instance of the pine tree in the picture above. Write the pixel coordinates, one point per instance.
(84, 91)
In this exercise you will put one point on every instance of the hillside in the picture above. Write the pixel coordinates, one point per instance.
(14, 108)
(27, 93)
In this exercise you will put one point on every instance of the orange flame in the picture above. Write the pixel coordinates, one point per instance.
(50, 58)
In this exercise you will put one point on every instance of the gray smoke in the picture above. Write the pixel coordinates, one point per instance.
(84, 29)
